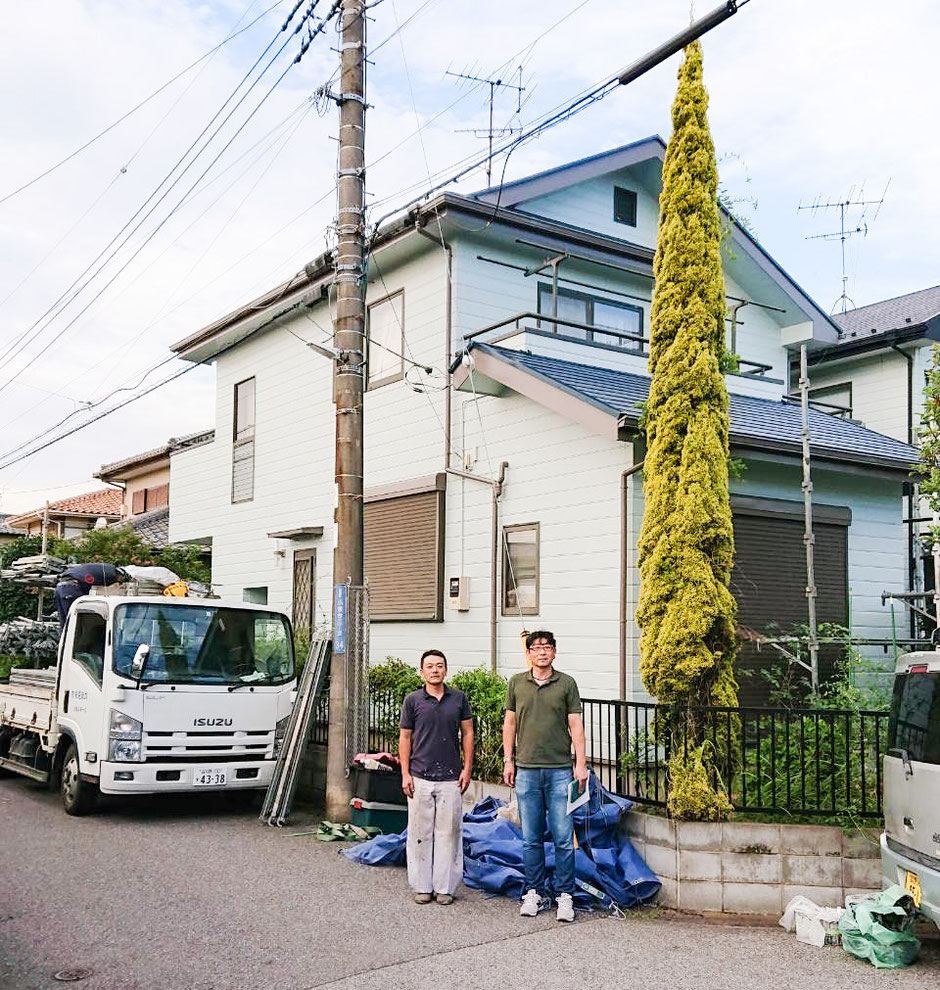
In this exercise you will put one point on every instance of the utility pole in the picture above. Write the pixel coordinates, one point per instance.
(809, 537)
(45, 543)
(349, 369)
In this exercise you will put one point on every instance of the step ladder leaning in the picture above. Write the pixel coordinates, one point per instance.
(280, 794)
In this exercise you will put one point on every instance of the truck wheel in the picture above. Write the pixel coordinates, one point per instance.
(78, 796)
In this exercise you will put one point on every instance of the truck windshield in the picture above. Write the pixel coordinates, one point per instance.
(193, 644)
(915, 716)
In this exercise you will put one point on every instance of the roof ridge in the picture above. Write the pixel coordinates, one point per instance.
(881, 302)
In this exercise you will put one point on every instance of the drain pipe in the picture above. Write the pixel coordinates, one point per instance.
(448, 332)
(624, 575)
(497, 488)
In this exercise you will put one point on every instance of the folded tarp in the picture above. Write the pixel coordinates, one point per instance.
(608, 870)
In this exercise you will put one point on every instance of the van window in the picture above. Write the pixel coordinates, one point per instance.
(915, 716)
(88, 645)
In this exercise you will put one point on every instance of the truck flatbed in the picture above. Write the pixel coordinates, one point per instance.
(26, 702)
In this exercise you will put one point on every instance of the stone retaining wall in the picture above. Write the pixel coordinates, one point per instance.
(754, 868)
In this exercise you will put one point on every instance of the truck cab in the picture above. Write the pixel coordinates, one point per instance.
(910, 844)
(154, 694)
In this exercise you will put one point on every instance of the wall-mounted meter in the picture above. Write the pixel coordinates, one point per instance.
(458, 595)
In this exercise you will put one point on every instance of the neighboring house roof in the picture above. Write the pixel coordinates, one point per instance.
(756, 424)
(152, 527)
(912, 309)
(889, 323)
(104, 502)
(5, 528)
(129, 464)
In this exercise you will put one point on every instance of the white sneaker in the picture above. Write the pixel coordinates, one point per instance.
(565, 908)
(531, 903)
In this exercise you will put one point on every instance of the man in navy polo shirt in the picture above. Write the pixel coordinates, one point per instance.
(434, 781)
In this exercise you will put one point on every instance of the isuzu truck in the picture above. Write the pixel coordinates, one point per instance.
(153, 694)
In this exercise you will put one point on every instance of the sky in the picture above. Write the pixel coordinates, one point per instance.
(213, 190)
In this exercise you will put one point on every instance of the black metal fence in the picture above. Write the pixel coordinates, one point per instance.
(799, 761)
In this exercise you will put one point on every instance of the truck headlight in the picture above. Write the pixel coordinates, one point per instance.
(125, 738)
(280, 730)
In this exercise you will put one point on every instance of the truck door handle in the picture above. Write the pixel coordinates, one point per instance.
(905, 759)
(65, 703)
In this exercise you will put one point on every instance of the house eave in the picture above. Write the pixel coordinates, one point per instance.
(885, 340)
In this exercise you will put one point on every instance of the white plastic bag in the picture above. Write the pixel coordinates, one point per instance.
(814, 925)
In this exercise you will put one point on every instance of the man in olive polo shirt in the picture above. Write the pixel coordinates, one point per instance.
(543, 721)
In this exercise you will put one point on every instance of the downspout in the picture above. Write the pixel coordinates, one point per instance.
(624, 576)
(911, 565)
(497, 487)
(448, 334)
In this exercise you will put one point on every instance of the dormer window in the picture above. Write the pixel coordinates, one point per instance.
(625, 206)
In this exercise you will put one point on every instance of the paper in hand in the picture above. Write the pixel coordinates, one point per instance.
(575, 797)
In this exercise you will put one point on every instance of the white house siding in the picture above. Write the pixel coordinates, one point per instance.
(567, 480)
(293, 479)
(590, 206)
(879, 389)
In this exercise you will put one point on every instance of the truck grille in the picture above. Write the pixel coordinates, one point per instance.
(197, 747)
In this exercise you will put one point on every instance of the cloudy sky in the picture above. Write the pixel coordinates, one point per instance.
(105, 261)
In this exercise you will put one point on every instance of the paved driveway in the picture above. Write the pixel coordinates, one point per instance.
(192, 895)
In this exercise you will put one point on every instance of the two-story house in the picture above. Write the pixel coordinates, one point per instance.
(507, 367)
(144, 484)
(875, 374)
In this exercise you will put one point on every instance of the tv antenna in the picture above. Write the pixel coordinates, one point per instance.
(491, 131)
(843, 234)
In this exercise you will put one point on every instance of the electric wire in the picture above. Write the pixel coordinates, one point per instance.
(24, 340)
(153, 233)
(142, 103)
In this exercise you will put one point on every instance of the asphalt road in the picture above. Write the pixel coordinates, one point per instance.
(183, 894)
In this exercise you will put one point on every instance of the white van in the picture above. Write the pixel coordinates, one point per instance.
(910, 845)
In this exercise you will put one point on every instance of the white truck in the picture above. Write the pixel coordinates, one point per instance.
(153, 694)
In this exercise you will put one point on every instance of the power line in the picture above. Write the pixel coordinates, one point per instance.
(101, 415)
(142, 103)
(14, 346)
(159, 226)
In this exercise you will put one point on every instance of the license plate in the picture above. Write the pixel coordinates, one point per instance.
(209, 776)
(912, 886)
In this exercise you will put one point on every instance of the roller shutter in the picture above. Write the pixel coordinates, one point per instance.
(769, 585)
(404, 556)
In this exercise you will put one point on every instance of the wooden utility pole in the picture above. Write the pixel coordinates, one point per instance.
(349, 370)
(45, 543)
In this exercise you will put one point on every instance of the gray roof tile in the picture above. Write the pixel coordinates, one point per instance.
(756, 422)
(889, 314)
(152, 527)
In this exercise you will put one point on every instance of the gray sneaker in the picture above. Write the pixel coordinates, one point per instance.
(531, 904)
(444, 898)
(565, 908)
(423, 898)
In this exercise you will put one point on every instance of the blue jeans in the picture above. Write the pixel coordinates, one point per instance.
(539, 791)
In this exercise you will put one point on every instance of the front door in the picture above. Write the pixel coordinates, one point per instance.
(305, 584)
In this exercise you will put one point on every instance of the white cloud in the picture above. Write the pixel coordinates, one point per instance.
(812, 97)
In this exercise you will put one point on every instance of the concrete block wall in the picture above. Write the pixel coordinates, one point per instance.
(754, 868)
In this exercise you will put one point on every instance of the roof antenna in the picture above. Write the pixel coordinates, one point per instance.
(843, 234)
(491, 131)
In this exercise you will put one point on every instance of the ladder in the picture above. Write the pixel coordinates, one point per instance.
(280, 793)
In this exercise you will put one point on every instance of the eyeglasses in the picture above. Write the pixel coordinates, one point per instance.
(540, 648)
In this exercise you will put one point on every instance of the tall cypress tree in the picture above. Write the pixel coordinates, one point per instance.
(686, 611)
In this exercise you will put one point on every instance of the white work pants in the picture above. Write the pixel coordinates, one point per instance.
(435, 840)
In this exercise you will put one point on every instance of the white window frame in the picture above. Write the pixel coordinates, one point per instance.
(388, 359)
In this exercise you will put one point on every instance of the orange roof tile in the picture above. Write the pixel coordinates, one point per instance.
(104, 502)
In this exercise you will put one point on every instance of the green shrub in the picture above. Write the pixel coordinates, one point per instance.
(15, 600)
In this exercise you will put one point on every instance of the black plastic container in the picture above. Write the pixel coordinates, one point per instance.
(383, 786)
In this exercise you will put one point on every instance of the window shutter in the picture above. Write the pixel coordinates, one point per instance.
(769, 585)
(138, 501)
(158, 497)
(403, 557)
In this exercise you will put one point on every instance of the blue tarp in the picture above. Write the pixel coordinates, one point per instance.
(492, 853)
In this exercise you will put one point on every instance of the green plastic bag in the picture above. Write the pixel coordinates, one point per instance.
(879, 929)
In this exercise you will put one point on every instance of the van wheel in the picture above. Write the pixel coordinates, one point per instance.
(78, 796)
